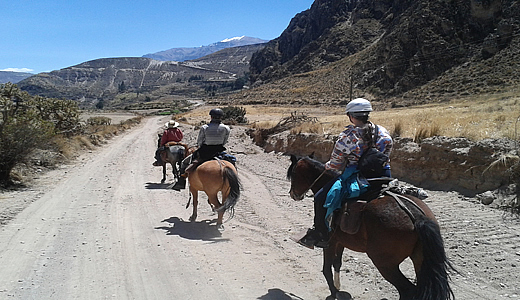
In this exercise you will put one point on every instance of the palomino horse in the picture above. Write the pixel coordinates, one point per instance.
(387, 235)
(212, 177)
(173, 153)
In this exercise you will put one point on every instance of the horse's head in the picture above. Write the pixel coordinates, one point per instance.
(303, 173)
(159, 140)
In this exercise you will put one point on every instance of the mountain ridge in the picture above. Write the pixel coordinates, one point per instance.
(127, 81)
(13, 77)
(392, 51)
(191, 53)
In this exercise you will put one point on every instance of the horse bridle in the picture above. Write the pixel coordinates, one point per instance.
(312, 184)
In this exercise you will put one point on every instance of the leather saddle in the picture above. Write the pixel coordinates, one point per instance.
(351, 213)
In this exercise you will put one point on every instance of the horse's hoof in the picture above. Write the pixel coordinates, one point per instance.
(193, 218)
(162, 181)
(343, 296)
(220, 227)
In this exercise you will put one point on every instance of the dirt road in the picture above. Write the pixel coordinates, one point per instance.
(105, 228)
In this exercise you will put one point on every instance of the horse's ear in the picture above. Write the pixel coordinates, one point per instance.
(294, 159)
(312, 155)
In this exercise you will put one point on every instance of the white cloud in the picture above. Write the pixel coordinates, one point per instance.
(26, 70)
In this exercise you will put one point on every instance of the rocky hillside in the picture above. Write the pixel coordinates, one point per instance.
(120, 82)
(400, 51)
(234, 59)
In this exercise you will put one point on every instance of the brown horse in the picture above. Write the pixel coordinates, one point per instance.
(387, 235)
(212, 177)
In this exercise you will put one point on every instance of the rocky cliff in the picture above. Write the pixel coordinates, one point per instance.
(394, 48)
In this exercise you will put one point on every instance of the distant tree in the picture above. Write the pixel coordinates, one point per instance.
(239, 83)
(234, 115)
(195, 78)
(100, 104)
(122, 87)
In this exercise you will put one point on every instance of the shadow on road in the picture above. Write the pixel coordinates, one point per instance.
(278, 294)
(158, 186)
(205, 230)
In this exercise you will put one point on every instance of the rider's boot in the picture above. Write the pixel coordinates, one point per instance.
(315, 238)
(181, 183)
(318, 235)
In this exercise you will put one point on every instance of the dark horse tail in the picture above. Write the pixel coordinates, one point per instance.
(234, 185)
(433, 278)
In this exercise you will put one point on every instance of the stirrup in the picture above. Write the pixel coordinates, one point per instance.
(307, 241)
(180, 185)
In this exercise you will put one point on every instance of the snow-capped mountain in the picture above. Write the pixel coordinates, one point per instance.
(183, 54)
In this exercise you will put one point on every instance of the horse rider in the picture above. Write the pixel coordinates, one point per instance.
(171, 134)
(349, 147)
(210, 141)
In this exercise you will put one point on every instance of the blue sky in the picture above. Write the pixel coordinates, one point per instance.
(45, 35)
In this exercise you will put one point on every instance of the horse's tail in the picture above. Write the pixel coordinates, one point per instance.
(234, 185)
(433, 278)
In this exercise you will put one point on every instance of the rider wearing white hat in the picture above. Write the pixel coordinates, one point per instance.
(349, 147)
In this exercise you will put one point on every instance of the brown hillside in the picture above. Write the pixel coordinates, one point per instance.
(398, 52)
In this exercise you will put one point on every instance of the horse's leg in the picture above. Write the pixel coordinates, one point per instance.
(337, 266)
(174, 171)
(225, 194)
(390, 271)
(329, 258)
(195, 195)
(215, 205)
(163, 173)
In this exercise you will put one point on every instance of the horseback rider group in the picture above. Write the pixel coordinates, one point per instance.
(352, 143)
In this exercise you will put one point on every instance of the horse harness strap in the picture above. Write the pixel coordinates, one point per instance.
(398, 198)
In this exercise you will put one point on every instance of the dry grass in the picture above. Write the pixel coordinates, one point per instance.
(475, 118)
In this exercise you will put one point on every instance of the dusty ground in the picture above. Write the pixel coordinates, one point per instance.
(105, 228)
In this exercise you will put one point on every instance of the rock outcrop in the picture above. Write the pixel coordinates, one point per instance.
(441, 163)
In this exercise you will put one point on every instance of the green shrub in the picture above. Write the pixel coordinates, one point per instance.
(234, 115)
(28, 122)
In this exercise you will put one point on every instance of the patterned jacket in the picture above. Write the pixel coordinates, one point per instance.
(350, 146)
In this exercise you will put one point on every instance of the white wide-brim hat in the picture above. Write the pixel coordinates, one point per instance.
(171, 124)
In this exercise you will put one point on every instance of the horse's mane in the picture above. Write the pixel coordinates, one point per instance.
(314, 163)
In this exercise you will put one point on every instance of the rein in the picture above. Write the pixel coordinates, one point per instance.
(314, 182)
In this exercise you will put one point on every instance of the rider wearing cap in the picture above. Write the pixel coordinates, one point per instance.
(210, 141)
(349, 147)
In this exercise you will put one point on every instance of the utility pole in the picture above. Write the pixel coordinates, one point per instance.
(351, 84)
